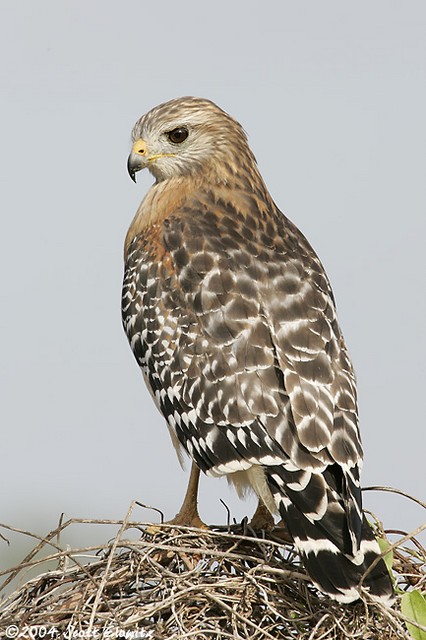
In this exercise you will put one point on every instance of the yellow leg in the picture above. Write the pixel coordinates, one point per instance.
(188, 514)
(262, 518)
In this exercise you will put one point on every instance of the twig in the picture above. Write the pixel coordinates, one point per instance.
(396, 491)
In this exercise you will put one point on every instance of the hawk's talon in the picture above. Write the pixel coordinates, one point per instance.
(262, 519)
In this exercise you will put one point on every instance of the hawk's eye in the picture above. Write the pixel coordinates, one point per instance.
(178, 135)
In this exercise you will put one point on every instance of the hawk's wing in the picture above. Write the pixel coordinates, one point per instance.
(235, 328)
(232, 320)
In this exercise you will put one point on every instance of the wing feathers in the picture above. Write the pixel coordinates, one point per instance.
(243, 336)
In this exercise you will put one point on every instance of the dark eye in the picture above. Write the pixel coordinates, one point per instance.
(178, 135)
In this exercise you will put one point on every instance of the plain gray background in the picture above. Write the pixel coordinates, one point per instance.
(333, 97)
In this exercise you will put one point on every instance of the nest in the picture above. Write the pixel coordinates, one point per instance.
(170, 582)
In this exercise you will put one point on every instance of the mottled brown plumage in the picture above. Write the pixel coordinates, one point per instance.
(232, 320)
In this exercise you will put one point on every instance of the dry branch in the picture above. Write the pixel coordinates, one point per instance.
(178, 582)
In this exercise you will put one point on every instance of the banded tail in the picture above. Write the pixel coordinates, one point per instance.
(333, 537)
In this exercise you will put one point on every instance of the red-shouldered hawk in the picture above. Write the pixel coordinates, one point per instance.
(232, 320)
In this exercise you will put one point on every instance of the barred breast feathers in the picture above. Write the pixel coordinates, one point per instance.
(238, 185)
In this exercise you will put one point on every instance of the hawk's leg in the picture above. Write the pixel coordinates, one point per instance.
(262, 518)
(188, 514)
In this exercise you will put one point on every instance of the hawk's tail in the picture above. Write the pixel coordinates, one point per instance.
(325, 538)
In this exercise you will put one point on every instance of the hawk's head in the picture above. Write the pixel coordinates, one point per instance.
(184, 136)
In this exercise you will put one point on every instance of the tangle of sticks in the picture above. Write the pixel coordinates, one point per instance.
(164, 581)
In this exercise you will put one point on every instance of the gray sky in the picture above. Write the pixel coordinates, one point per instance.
(333, 97)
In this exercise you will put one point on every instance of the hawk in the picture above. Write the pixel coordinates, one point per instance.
(231, 317)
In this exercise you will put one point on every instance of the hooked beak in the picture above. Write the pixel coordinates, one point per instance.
(133, 166)
(137, 159)
(140, 157)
